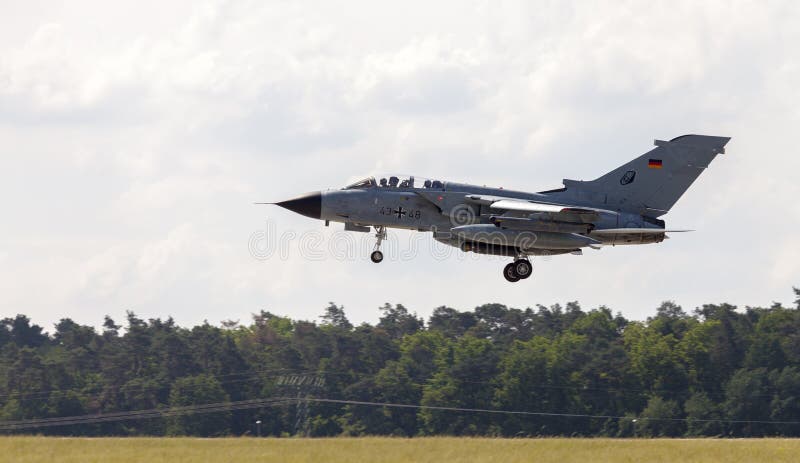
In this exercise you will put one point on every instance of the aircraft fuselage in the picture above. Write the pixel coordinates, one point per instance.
(620, 207)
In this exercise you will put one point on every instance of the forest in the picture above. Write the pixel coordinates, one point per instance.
(717, 370)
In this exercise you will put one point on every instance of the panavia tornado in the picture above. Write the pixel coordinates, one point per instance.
(620, 207)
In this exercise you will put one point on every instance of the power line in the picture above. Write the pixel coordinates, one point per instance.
(144, 414)
(276, 401)
(253, 375)
(527, 413)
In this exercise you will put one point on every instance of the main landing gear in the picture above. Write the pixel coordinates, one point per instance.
(377, 255)
(520, 269)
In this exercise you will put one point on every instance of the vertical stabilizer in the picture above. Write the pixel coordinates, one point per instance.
(652, 183)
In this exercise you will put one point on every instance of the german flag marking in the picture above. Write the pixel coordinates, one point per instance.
(655, 164)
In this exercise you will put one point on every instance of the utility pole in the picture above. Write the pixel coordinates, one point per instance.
(302, 386)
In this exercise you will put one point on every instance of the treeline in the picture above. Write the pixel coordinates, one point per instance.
(719, 371)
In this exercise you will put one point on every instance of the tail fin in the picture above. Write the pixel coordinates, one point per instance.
(652, 183)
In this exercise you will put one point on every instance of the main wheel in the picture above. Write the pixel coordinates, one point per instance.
(376, 257)
(510, 273)
(523, 268)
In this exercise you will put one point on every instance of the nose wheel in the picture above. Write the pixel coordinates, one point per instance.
(520, 269)
(377, 255)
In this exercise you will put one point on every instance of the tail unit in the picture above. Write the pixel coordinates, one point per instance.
(652, 183)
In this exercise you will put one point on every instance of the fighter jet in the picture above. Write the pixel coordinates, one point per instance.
(621, 207)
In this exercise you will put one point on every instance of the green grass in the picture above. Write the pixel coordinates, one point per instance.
(376, 449)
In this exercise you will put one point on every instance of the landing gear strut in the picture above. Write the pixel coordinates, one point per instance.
(377, 255)
(520, 269)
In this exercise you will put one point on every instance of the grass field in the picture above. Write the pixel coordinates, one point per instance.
(444, 449)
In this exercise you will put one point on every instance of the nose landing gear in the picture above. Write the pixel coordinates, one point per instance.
(520, 269)
(377, 255)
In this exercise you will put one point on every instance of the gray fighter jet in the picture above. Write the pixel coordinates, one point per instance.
(620, 207)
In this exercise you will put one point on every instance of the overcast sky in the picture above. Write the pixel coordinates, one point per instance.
(134, 138)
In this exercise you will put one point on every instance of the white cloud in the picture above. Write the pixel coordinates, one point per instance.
(136, 135)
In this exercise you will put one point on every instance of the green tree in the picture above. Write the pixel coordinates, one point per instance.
(670, 319)
(334, 315)
(702, 416)
(22, 333)
(656, 361)
(400, 381)
(775, 340)
(661, 418)
(198, 390)
(747, 399)
(695, 352)
(600, 373)
(397, 321)
(27, 384)
(730, 339)
(451, 322)
(726, 371)
(785, 404)
(465, 370)
(523, 384)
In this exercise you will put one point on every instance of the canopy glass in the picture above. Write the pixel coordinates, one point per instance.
(397, 181)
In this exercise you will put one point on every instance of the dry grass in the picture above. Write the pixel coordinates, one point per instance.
(375, 449)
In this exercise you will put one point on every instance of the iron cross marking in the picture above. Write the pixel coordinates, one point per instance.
(400, 212)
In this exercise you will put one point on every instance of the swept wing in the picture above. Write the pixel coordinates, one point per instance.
(554, 212)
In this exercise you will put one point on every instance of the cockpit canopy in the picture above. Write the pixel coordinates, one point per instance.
(397, 181)
(368, 182)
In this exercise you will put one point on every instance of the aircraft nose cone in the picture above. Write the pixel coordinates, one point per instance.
(309, 205)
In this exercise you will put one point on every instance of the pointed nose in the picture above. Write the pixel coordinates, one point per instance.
(309, 205)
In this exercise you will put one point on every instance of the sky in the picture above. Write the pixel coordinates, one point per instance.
(135, 137)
